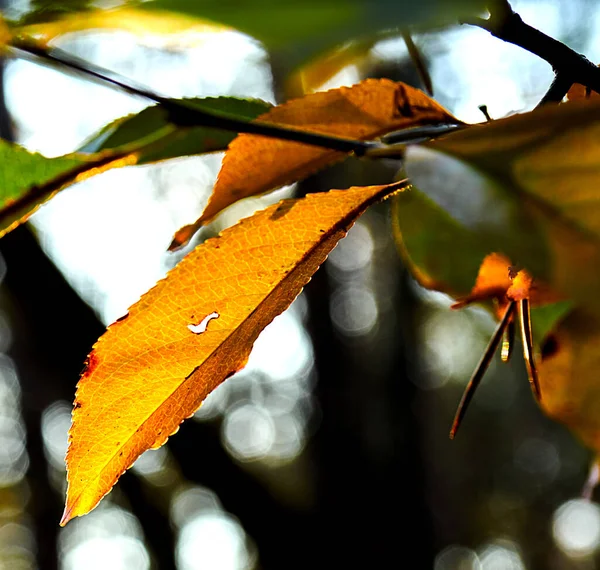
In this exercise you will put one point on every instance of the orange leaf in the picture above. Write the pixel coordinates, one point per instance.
(153, 367)
(499, 279)
(493, 281)
(254, 164)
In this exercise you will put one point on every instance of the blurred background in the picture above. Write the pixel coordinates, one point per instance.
(330, 450)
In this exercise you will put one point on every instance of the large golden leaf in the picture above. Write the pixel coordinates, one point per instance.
(153, 367)
(255, 164)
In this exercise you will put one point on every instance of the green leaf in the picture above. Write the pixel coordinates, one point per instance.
(442, 254)
(23, 169)
(162, 140)
(526, 186)
(30, 179)
(545, 318)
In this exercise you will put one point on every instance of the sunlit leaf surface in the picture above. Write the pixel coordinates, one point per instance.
(153, 367)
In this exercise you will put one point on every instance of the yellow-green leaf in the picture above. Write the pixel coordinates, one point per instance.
(123, 18)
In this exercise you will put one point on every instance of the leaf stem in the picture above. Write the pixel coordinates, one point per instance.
(188, 115)
(527, 339)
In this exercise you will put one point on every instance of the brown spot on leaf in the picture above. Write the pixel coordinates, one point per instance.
(282, 209)
(77, 405)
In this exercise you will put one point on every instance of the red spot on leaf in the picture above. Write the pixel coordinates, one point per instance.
(91, 362)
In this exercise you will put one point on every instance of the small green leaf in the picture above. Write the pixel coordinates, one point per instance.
(30, 179)
(23, 169)
(162, 140)
(27, 179)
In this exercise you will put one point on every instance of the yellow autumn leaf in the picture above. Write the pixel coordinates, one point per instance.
(255, 164)
(153, 367)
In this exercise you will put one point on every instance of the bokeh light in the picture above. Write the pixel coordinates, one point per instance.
(208, 537)
(456, 557)
(110, 537)
(213, 541)
(501, 554)
(576, 528)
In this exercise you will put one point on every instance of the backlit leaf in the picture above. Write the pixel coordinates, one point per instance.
(526, 186)
(254, 165)
(28, 179)
(153, 367)
(134, 20)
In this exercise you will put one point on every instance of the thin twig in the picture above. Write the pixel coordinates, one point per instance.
(419, 63)
(485, 112)
(187, 115)
(394, 144)
(483, 365)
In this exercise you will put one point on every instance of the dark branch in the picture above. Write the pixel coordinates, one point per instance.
(557, 90)
(567, 63)
(187, 115)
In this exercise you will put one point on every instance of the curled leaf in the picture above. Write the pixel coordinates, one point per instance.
(255, 165)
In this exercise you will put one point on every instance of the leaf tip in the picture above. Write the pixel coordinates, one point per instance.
(67, 515)
(183, 236)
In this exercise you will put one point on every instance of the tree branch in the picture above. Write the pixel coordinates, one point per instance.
(187, 115)
(557, 90)
(508, 26)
